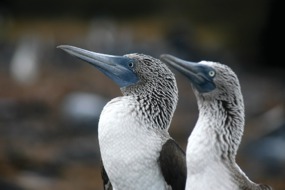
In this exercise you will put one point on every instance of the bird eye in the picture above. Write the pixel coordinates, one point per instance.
(211, 73)
(131, 64)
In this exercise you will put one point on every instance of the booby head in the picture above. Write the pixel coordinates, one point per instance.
(153, 77)
(209, 79)
(138, 75)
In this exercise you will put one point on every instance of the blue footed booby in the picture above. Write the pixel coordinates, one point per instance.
(214, 141)
(136, 149)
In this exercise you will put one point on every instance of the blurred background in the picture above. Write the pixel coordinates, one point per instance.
(50, 102)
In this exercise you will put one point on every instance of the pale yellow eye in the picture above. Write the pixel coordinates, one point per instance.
(131, 64)
(211, 73)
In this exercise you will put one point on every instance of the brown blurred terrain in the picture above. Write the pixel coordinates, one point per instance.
(50, 102)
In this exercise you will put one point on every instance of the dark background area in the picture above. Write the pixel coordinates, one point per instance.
(50, 102)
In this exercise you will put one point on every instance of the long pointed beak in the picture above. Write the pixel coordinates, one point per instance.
(187, 68)
(115, 67)
(197, 73)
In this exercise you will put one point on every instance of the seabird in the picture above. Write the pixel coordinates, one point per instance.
(214, 141)
(136, 149)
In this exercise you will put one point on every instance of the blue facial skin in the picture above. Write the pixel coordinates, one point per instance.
(121, 71)
(117, 68)
(201, 76)
(201, 79)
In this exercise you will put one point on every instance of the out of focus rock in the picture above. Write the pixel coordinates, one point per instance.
(25, 61)
(5, 185)
(11, 109)
(81, 109)
(104, 35)
(269, 152)
(34, 181)
(79, 150)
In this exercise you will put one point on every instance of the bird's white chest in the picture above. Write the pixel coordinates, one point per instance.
(205, 170)
(129, 151)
